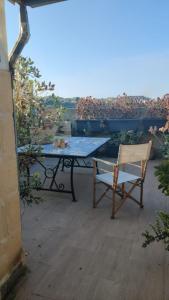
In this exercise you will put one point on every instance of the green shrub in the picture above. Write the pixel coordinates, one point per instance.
(160, 230)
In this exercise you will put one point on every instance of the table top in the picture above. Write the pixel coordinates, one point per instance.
(77, 147)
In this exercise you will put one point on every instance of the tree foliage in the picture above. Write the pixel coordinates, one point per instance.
(28, 94)
(24, 93)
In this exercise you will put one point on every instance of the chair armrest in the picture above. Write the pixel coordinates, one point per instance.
(108, 163)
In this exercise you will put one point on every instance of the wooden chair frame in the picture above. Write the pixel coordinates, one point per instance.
(120, 189)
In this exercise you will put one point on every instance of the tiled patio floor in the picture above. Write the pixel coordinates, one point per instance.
(75, 252)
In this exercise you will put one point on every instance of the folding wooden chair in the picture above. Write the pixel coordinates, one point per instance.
(118, 179)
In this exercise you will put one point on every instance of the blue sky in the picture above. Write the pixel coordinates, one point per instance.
(99, 47)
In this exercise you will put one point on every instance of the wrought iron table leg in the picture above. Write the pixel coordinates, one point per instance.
(71, 180)
(54, 175)
(63, 164)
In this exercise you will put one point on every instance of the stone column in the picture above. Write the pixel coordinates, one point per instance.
(10, 226)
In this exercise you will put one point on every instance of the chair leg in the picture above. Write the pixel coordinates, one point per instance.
(123, 190)
(141, 195)
(113, 204)
(94, 193)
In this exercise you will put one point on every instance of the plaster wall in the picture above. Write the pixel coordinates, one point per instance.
(10, 227)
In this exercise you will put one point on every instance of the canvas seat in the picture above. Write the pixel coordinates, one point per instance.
(123, 177)
(118, 180)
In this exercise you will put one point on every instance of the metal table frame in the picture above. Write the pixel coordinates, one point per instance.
(63, 161)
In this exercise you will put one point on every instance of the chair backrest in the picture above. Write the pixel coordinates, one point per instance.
(134, 153)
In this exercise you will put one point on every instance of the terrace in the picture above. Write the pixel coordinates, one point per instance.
(76, 252)
(59, 249)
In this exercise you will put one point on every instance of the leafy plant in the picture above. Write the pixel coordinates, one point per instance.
(165, 146)
(25, 87)
(28, 182)
(162, 173)
(160, 231)
(129, 137)
(160, 141)
(121, 107)
(132, 137)
(30, 113)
